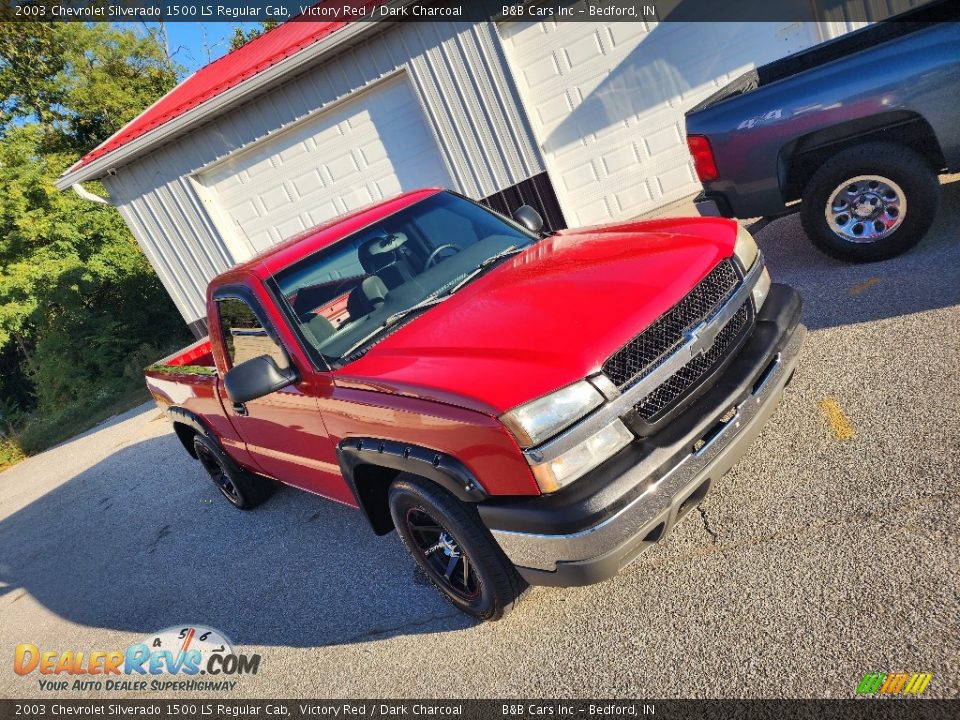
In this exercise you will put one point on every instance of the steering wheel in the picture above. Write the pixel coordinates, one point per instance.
(432, 258)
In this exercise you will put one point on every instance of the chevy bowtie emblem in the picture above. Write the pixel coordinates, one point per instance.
(701, 338)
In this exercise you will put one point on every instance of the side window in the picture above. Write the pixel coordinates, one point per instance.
(244, 336)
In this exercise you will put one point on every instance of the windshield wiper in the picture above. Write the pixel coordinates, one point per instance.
(444, 294)
(393, 320)
(430, 300)
(478, 270)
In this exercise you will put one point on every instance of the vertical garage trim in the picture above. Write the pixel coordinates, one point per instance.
(459, 77)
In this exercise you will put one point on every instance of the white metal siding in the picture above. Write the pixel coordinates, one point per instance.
(851, 15)
(456, 71)
(606, 102)
(367, 148)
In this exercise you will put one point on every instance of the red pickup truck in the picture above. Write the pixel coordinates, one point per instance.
(523, 407)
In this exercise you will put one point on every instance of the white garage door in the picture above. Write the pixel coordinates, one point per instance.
(370, 147)
(606, 102)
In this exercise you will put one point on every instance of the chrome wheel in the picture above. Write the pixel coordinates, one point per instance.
(445, 559)
(865, 208)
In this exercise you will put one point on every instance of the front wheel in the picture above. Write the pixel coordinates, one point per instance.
(452, 546)
(870, 202)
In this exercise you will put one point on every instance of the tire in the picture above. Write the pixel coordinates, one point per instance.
(454, 549)
(244, 490)
(873, 169)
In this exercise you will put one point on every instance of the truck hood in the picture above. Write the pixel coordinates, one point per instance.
(546, 317)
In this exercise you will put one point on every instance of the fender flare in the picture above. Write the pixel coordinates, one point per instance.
(182, 416)
(441, 468)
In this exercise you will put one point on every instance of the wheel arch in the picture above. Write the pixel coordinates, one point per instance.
(369, 465)
(187, 425)
(800, 158)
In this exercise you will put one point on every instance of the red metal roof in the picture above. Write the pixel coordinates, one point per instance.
(229, 71)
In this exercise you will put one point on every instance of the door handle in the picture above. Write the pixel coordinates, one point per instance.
(240, 409)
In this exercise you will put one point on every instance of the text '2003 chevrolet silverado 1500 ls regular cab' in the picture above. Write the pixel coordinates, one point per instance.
(522, 407)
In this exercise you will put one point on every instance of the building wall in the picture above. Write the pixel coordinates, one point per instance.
(460, 76)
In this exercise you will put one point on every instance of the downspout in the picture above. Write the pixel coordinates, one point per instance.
(87, 195)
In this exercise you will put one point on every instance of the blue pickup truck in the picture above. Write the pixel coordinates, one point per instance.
(856, 129)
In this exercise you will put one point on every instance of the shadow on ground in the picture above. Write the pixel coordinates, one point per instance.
(837, 293)
(142, 541)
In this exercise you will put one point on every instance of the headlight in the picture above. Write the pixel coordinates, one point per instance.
(746, 248)
(555, 474)
(761, 289)
(544, 417)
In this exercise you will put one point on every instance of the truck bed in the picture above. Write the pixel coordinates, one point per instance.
(902, 25)
(195, 359)
(187, 378)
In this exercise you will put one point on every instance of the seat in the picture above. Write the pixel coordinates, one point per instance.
(318, 330)
(366, 297)
(383, 256)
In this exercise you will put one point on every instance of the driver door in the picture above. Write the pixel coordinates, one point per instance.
(283, 432)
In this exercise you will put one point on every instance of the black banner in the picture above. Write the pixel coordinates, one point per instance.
(233, 11)
(865, 708)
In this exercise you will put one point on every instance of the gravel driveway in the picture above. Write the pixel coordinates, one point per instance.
(830, 551)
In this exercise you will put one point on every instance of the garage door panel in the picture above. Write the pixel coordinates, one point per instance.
(583, 51)
(275, 198)
(638, 192)
(660, 141)
(308, 182)
(357, 198)
(606, 102)
(323, 211)
(290, 227)
(372, 146)
(619, 160)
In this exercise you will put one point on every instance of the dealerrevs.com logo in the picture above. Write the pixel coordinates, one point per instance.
(181, 658)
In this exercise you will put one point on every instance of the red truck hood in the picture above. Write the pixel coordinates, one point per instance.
(547, 317)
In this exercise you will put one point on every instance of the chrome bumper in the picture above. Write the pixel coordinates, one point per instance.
(606, 547)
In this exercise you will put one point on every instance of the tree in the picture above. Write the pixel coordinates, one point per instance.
(80, 82)
(241, 38)
(77, 297)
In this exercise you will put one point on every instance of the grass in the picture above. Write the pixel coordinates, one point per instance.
(39, 433)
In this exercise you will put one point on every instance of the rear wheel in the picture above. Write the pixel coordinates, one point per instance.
(242, 489)
(454, 549)
(870, 202)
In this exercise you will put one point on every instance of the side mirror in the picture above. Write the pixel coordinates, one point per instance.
(529, 218)
(257, 377)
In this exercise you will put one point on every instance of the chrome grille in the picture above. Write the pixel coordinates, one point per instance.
(651, 347)
(668, 392)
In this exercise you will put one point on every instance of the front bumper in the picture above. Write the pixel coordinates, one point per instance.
(587, 532)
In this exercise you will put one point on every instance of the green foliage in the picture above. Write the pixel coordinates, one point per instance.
(241, 38)
(80, 306)
(80, 82)
(182, 370)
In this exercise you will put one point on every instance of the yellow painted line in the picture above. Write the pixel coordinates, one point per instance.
(839, 425)
(865, 285)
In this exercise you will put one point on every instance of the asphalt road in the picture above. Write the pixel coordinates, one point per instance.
(830, 551)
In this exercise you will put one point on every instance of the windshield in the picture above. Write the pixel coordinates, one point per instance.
(345, 296)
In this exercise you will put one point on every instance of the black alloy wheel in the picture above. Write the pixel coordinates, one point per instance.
(244, 490)
(453, 548)
(445, 560)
